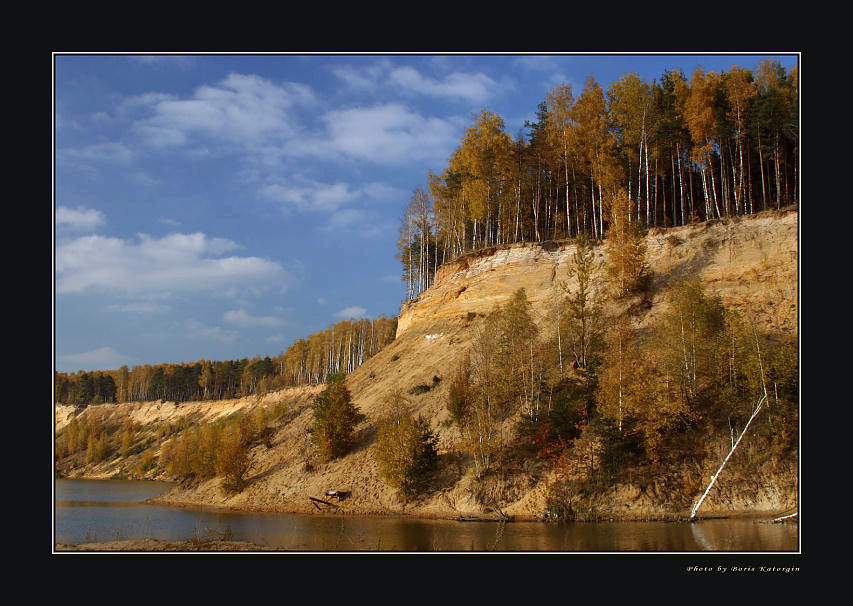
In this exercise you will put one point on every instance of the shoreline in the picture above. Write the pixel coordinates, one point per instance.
(449, 516)
(456, 517)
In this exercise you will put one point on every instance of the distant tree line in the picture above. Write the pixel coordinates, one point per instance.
(342, 347)
(685, 150)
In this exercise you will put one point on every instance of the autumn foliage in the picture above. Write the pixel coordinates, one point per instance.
(682, 149)
(406, 449)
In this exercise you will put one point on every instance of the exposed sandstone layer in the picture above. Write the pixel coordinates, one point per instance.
(751, 263)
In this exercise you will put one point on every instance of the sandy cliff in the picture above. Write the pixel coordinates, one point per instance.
(751, 263)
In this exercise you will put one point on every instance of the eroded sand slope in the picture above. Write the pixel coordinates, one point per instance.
(751, 263)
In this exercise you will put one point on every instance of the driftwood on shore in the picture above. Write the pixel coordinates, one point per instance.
(316, 503)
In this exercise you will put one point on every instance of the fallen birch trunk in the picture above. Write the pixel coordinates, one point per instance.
(726, 460)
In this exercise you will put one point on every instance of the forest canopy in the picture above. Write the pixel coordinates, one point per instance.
(685, 150)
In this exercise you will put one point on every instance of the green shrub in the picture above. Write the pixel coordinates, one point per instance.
(335, 419)
(232, 461)
(405, 450)
(459, 396)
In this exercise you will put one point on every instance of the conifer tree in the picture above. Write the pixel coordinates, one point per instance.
(583, 302)
(335, 419)
(405, 449)
(458, 399)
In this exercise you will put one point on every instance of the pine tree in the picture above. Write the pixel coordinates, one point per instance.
(583, 303)
(458, 399)
(406, 449)
(335, 419)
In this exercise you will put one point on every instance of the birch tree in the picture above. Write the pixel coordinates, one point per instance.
(739, 91)
(559, 128)
(596, 145)
(625, 247)
(699, 108)
(630, 107)
(616, 383)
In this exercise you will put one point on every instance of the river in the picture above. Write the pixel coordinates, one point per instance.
(106, 510)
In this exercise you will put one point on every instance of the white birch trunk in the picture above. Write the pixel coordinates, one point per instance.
(726, 460)
(680, 184)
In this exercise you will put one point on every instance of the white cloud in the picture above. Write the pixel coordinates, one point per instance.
(471, 87)
(264, 119)
(145, 179)
(80, 218)
(541, 63)
(306, 196)
(379, 76)
(241, 318)
(245, 110)
(357, 222)
(103, 358)
(178, 262)
(380, 191)
(386, 134)
(366, 78)
(310, 195)
(351, 312)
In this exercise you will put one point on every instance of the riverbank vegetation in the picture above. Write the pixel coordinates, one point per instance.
(586, 394)
(187, 450)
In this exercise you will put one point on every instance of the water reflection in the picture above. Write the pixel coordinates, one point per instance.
(103, 511)
(699, 537)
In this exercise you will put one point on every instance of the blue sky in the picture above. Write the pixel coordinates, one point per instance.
(220, 207)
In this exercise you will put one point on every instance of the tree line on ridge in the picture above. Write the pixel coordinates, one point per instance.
(340, 348)
(683, 150)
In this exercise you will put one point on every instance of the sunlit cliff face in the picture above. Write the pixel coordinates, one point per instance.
(751, 263)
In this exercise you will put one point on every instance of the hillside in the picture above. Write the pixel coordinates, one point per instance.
(751, 263)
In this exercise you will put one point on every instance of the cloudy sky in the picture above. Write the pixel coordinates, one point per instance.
(221, 207)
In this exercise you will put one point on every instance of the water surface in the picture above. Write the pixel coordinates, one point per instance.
(106, 510)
